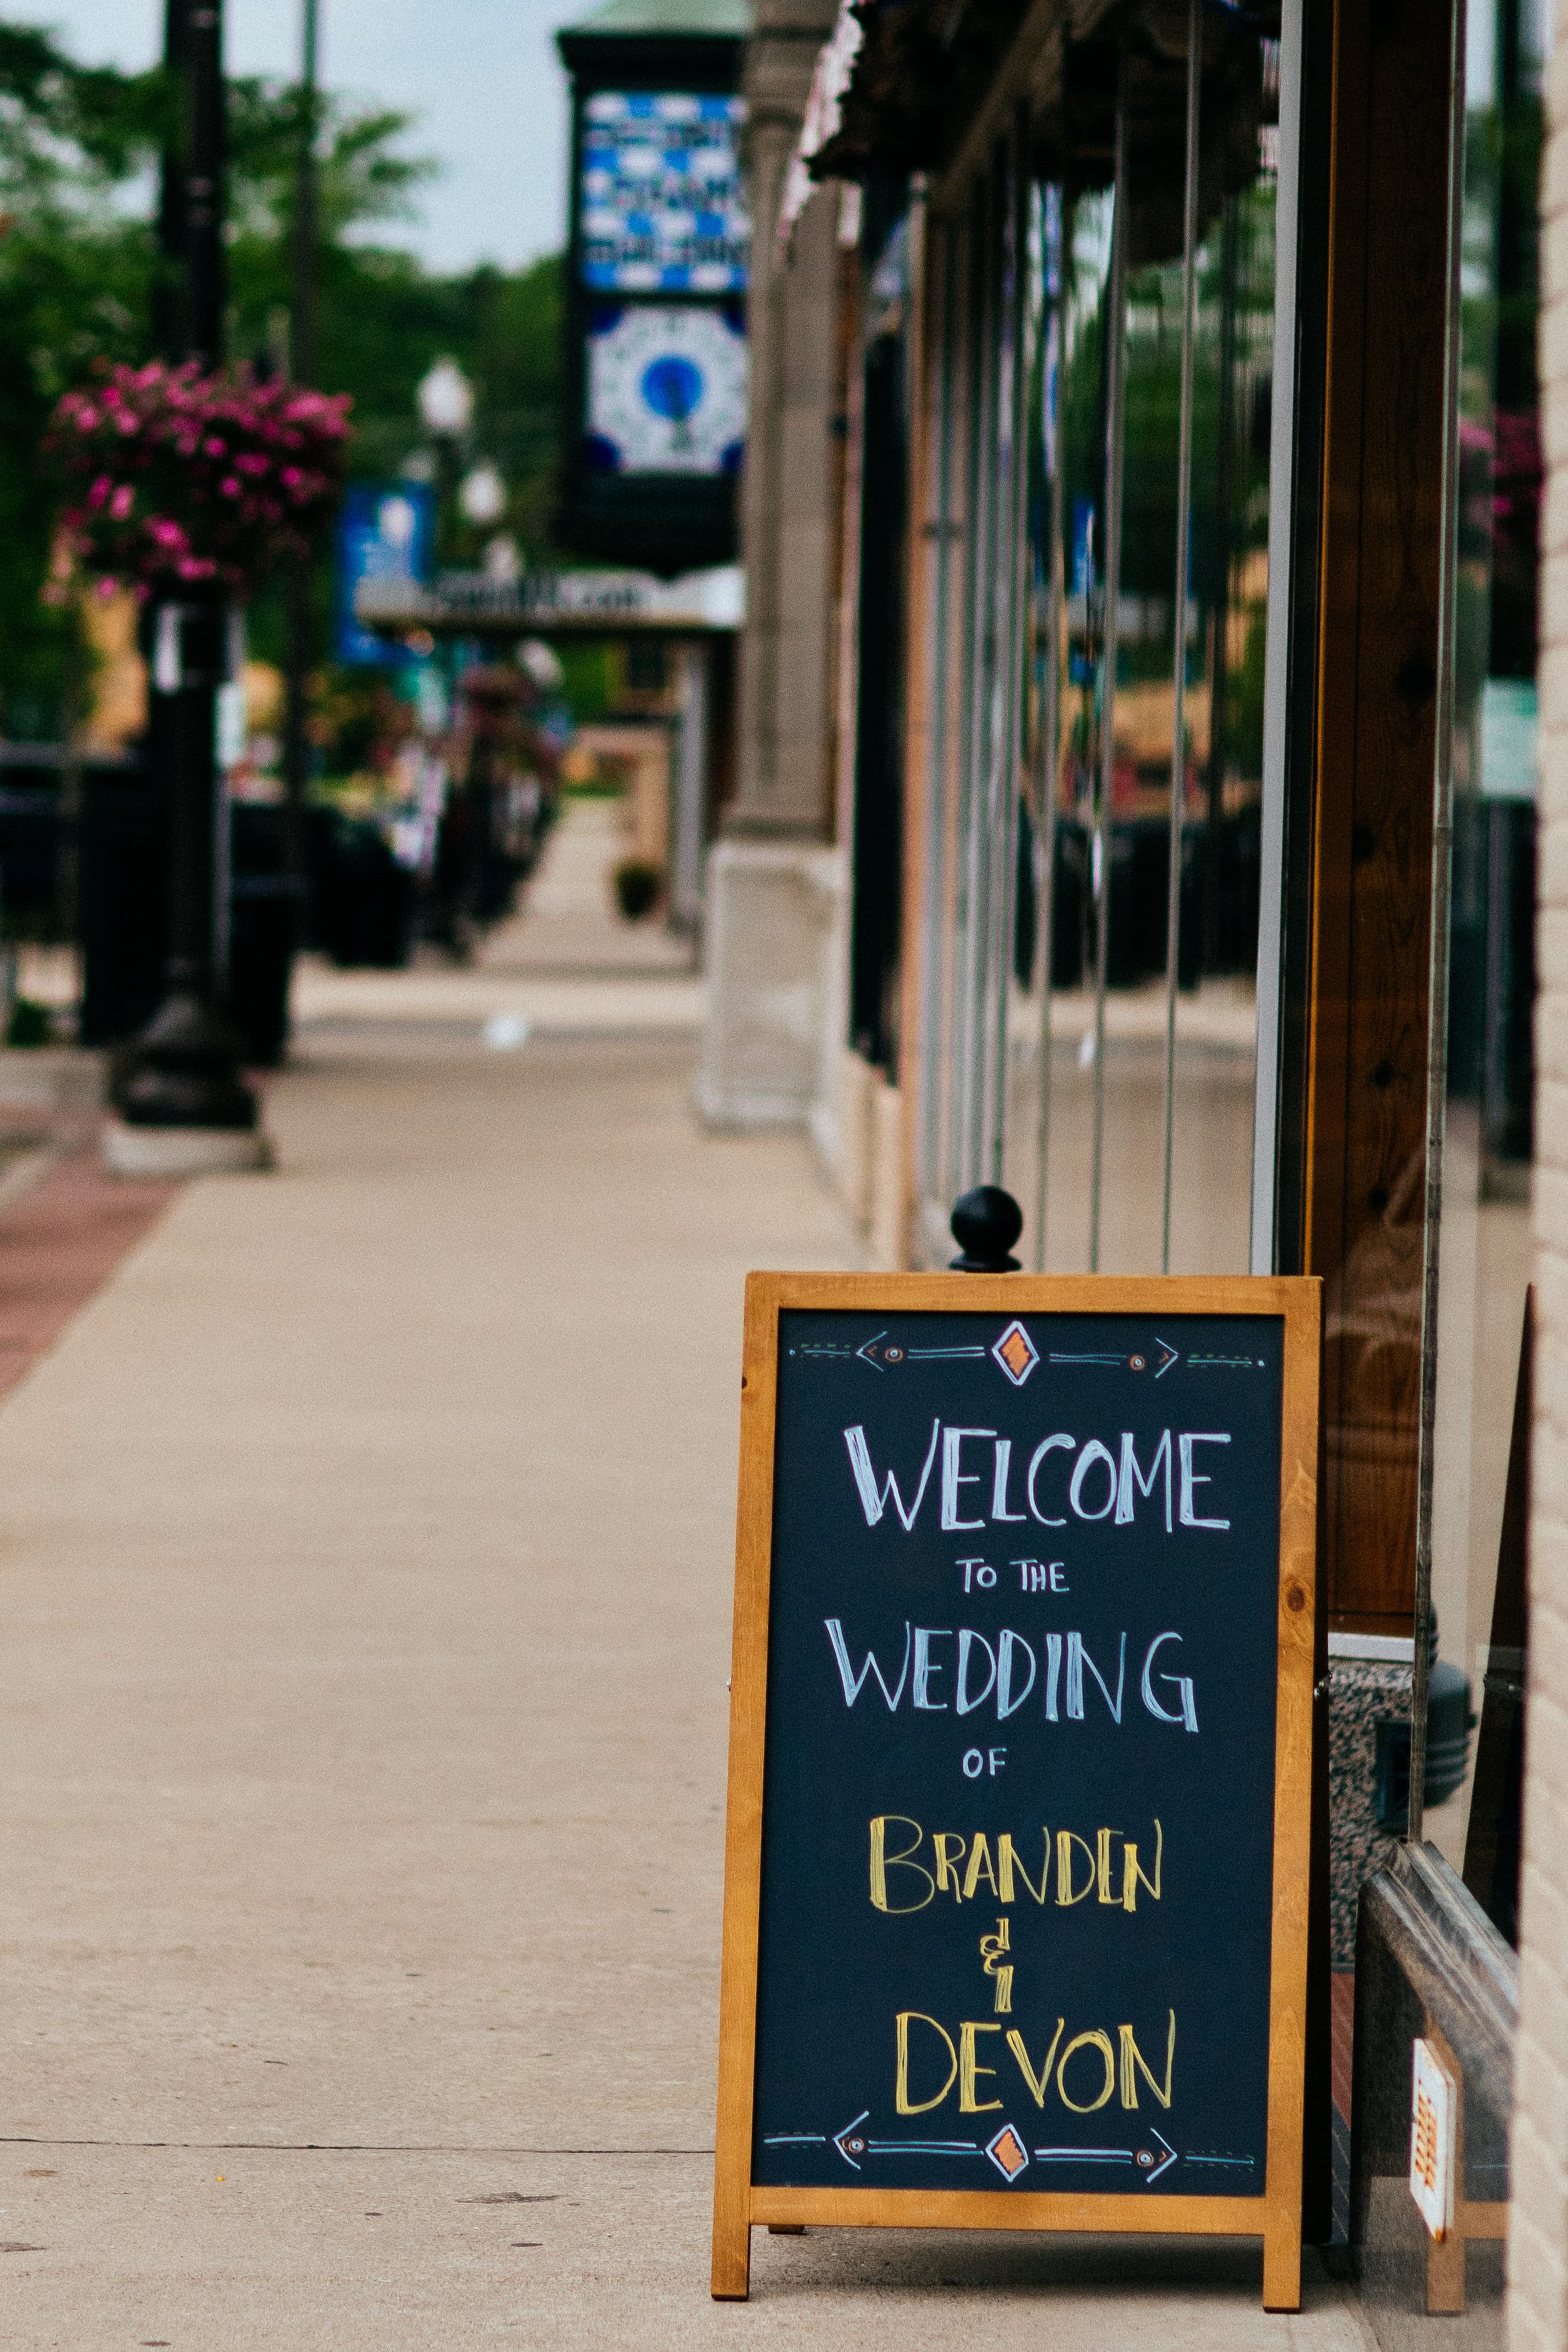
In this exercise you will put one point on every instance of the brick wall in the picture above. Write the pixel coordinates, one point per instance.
(1538, 2250)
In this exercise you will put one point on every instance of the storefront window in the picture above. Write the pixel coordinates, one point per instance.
(1472, 1780)
(1094, 852)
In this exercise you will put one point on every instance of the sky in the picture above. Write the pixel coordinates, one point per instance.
(481, 76)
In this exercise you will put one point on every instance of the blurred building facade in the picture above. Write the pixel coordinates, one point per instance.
(1141, 771)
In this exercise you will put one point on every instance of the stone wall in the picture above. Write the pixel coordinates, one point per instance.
(1538, 2249)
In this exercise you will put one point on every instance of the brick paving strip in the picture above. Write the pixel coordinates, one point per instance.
(60, 1239)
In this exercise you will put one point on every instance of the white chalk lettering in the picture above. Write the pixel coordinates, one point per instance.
(1046, 1445)
(954, 1476)
(1077, 1658)
(1198, 1437)
(966, 1701)
(1009, 1646)
(1187, 1712)
(1092, 1455)
(1132, 1478)
(874, 1499)
(999, 1510)
(855, 1683)
(926, 1665)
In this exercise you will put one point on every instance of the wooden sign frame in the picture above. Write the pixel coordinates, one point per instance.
(1275, 2215)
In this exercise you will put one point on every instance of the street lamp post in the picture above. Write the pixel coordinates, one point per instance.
(445, 399)
(483, 495)
(185, 1106)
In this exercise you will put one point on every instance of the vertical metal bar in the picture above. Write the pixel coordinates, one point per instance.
(1437, 989)
(1048, 749)
(1184, 526)
(999, 357)
(998, 617)
(1116, 298)
(1012, 581)
(976, 844)
(1277, 652)
(967, 877)
(942, 342)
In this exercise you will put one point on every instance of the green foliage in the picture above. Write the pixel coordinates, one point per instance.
(29, 1024)
(77, 271)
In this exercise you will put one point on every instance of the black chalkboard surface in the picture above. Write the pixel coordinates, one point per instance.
(1021, 1735)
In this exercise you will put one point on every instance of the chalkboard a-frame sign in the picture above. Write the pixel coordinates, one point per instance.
(1020, 1756)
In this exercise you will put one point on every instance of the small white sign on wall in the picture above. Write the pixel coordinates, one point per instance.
(1434, 2140)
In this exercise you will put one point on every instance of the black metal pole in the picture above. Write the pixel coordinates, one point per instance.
(185, 1072)
(168, 305)
(302, 367)
(202, 90)
(302, 364)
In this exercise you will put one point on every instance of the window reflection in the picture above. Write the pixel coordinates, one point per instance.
(1085, 1133)
(1484, 1263)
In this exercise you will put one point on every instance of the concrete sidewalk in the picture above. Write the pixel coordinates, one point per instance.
(364, 1579)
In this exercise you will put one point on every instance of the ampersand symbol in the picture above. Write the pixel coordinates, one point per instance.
(994, 1951)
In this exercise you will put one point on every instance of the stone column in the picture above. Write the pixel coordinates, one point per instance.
(1538, 2243)
(775, 886)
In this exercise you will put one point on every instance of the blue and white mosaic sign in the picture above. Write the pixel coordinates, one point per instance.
(663, 203)
(667, 389)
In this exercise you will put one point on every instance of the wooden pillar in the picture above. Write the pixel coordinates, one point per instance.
(1363, 1195)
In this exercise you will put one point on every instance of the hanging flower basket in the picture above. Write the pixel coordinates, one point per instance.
(176, 481)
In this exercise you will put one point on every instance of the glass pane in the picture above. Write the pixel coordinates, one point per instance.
(1050, 1124)
(1484, 1261)
(1095, 847)
(1135, 782)
(1227, 635)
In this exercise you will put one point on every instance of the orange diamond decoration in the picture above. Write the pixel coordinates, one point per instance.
(1007, 2153)
(1017, 1353)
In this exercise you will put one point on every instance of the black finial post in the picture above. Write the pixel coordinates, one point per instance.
(985, 1224)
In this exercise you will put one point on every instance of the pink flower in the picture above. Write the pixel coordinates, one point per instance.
(100, 491)
(121, 504)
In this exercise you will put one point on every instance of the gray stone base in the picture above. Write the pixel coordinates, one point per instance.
(1365, 1692)
(773, 1031)
(174, 1151)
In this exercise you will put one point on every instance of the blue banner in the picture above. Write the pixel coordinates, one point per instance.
(385, 532)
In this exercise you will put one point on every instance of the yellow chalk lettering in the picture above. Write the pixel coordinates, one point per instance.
(1007, 1861)
(1131, 2057)
(1041, 2083)
(968, 2104)
(1102, 1865)
(1094, 2040)
(903, 2102)
(1132, 1874)
(979, 1867)
(949, 1853)
(882, 1862)
(1066, 1892)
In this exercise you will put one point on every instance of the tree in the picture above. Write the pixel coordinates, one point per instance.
(76, 283)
